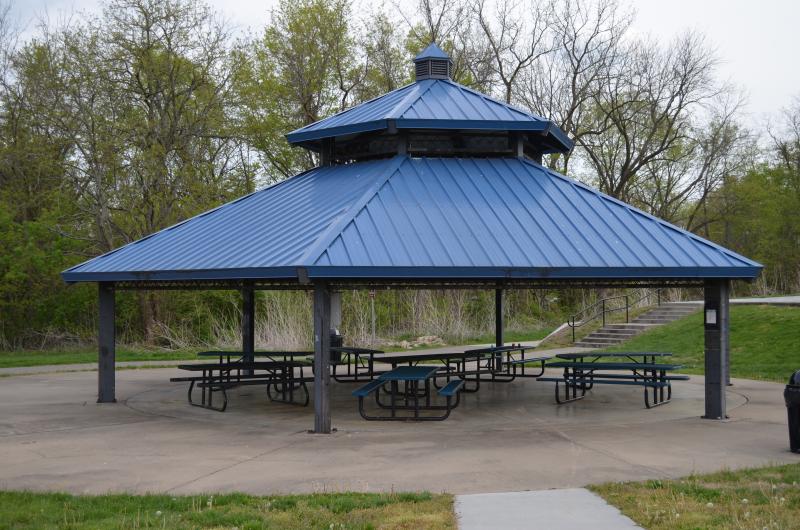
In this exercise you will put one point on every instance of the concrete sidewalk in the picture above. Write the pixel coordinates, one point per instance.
(793, 300)
(564, 509)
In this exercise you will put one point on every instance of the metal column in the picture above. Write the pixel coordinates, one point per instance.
(498, 317)
(717, 329)
(248, 325)
(106, 345)
(322, 356)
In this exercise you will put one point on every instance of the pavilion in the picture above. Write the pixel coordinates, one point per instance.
(433, 185)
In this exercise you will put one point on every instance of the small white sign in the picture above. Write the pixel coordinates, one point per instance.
(711, 316)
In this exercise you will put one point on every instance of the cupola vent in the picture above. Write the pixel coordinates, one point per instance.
(432, 63)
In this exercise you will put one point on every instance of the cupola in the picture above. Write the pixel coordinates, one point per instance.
(432, 63)
(435, 117)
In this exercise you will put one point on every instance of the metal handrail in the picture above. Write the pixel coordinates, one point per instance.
(573, 321)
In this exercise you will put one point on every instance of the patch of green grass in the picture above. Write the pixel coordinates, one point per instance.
(28, 510)
(766, 497)
(509, 336)
(765, 342)
(12, 359)
(9, 359)
(513, 336)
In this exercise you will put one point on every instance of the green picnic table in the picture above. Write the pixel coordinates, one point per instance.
(580, 375)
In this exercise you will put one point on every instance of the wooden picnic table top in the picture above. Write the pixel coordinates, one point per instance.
(409, 373)
(601, 355)
(224, 367)
(614, 366)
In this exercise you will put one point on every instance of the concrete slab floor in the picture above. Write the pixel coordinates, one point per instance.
(507, 437)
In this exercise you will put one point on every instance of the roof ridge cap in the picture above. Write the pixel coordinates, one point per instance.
(408, 100)
(497, 101)
(345, 111)
(634, 209)
(327, 237)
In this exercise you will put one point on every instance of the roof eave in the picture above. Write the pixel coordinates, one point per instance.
(254, 273)
(420, 273)
(300, 137)
(550, 273)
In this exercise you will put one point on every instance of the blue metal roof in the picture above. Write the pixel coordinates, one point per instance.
(431, 104)
(432, 51)
(421, 218)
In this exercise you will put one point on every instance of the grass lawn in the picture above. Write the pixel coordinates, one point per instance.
(9, 359)
(26, 510)
(765, 342)
(754, 498)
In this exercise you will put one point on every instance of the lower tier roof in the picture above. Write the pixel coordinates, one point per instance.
(421, 218)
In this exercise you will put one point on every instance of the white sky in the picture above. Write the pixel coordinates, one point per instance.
(758, 42)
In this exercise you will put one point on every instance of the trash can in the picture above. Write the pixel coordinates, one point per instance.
(337, 341)
(792, 397)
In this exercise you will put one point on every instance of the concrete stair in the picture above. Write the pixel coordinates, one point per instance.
(612, 334)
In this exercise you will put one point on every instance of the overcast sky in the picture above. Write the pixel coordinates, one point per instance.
(758, 42)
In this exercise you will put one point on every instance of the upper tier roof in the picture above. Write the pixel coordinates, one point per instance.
(406, 218)
(432, 51)
(432, 104)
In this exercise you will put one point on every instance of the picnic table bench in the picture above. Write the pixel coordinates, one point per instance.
(580, 375)
(278, 376)
(408, 398)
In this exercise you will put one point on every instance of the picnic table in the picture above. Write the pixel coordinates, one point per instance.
(645, 356)
(359, 363)
(491, 364)
(638, 369)
(278, 376)
(503, 367)
(416, 386)
(236, 356)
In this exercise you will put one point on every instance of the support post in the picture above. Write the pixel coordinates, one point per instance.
(498, 317)
(326, 154)
(248, 326)
(106, 342)
(499, 340)
(322, 356)
(717, 329)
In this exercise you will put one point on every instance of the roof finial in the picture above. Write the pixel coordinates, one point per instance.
(432, 63)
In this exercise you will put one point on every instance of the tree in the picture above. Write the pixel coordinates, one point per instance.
(643, 108)
(449, 24)
(386, 59)
(563, 85)
(514, 43)
(677, 185)
(304, 69)
(140, 100)
(787, 143)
